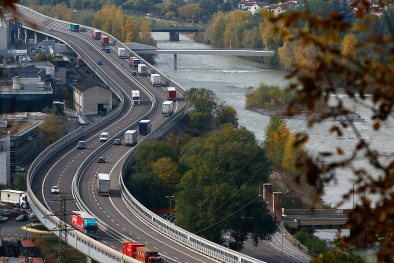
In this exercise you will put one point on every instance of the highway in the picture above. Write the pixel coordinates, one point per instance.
(62, 166)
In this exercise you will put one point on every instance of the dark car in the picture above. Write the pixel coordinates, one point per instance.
(134, 73)
(99, 62)
(21, 218)
(103, 113)
(86, 71)
(81, 145)
(101, 160)
(117, 142)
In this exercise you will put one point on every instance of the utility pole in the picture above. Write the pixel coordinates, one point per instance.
(62, 254)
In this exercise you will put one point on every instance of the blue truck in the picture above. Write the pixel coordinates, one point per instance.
(85, 223)
(145, 127)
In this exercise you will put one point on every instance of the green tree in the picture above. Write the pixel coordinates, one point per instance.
(51, 127)
(226, 114)
(167, 172)
(20, 181)
(150, 152)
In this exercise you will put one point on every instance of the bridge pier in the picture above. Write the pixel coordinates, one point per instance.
(175, 61)
(174, 36)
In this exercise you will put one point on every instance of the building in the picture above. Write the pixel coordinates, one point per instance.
(3, 35)
(90, 98)
(19, 142)
(25, 94)
(251, 6)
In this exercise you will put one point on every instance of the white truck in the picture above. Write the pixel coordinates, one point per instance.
(130, 138)
(167, 108)
(122, 52)
(155, 79)
(135, 94)
(142, 69)
(103, 183)
(104, 137)
(14, 198)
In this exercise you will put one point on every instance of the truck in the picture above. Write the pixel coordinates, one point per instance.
(74, 27)
(171, 93)
(141, 253)
(103, 184)
(96, 34)
(135, 94)
(80, 62)
(144, 127)
(104, 40)
(84, 222)
(155, 79)
(122, 52)
(134, 62)
(130, 138)
(14, 198)
(167, 108)
(104, 136)
(142, 69)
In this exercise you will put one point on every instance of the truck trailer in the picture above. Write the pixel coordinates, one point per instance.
(74, 27)
(130, 138)
(80, 62)
(171, 93)
(135, 94)
(96, 34)
(104, 40)
(167, 108)
(103, 184)
(144, 127)
(142, 69)
(84, 222)
(141, 253)
(14, 198)
(134, 62)
(155, 79)
(122, 52)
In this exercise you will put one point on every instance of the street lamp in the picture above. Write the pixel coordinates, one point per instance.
(313, 232)
(282, 248)
(170, 196)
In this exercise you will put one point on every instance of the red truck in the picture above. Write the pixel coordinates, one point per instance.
(96, 34)
(171, 93)
(80, 62)
(141, 253)
(104, 40)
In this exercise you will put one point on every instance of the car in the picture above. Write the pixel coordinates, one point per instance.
(86, 71)
(134, 73)
(19, 169)
(81, 145)
(101, 160)
(50, 29)
(55, 189)
(99, 62)
(117, 142)
(3, 219)
(103, 113)
(16, 210)
(6, 213)
(21, 218)
(283, 216)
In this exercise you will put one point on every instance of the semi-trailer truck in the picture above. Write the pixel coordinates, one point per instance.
(74, 27)
(142, 69)
(122, 52)
(80, 62)
(134, 62)
(85, 223)
(141, 253)
(103, 184)
(14, 198)
(171, 93)
(167, 108)
(104, 40)
(96, 34)
(155, 79)
(144, 127)
(130, 138)
(135, 94)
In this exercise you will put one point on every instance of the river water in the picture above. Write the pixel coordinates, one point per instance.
(229, 78)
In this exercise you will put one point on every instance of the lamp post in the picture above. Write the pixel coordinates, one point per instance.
(282, 248)
(313, 232)
(353, 196)
(170, 196)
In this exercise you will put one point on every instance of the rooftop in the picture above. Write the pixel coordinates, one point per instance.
(85, 85)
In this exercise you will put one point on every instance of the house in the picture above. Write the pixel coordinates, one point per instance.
(251, 6)
(90, 98)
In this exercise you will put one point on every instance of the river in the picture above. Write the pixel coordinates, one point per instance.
(229, 78)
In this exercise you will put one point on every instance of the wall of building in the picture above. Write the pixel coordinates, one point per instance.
(4, 158)
(3, 35)
(77, 103)
(94, 96)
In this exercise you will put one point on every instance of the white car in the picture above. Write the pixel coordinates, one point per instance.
(3, 219)
(55, 189)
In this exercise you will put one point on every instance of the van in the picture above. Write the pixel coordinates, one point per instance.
(104, 137)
